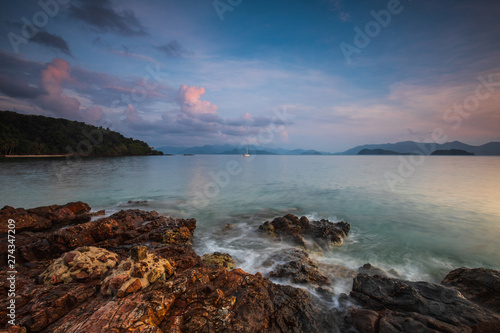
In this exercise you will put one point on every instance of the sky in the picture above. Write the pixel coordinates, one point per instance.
(313, 74)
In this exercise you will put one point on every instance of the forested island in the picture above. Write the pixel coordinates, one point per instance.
(39, 136)
(452, 152)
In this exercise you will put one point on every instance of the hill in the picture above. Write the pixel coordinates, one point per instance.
(377, 152)
(236, 150)
(411, 147)
(451, 152)
(38, 135)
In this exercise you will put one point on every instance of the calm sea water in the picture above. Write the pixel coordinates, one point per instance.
(444, 215)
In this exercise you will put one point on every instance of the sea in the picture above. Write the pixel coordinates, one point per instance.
(419, 218)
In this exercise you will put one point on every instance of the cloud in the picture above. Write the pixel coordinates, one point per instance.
(53, 77)
(13, 87)
(101, 15)
(197, 121)
(190, 103)
(52, 41)
(173, 49)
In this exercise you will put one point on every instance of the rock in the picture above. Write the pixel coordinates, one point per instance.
(23, 220)
(296, 266)
(125, 229)
(73, 211)
(132, 275)
(405, 306)
(228, 227)
(368, 269)
(479, 285)
(79, 264)
(324, 234)
(220, 259)
(43, 218)
(170, 290)
(98, 213)
(139, 253)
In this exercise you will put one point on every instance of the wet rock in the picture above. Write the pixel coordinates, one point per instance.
(369, 269)
(405, 306)
(98, 213)
(79, 264)
(220, 259)
(479, 285)
(296, 266)
(337, 271)
(228, 227)
(324, 234)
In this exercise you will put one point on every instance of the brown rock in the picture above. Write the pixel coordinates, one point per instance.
(296, 266)
(220, 259)
(23, 220)
(479, 285)
(139, 252)
(323, 233)
(134, 287)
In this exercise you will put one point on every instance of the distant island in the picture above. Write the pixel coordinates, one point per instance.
(422, 148)
(399, 148)
(452, 152)
(30, 135)
(380, 152)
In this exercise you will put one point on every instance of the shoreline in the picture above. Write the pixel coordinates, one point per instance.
(33, 156)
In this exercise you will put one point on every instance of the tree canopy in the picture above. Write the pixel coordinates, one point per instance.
(38, 135)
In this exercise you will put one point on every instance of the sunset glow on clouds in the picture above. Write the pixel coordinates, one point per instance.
(174, 74)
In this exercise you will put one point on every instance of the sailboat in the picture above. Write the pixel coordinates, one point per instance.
(246, 154)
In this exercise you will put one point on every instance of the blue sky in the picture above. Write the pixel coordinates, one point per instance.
(185, 73)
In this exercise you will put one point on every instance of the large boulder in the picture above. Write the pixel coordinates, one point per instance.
(83, 263)
(220, 259)
(136, 273)
(43, 218)
(404, 306)
(295, 265)
(309, 235)
(480, 285)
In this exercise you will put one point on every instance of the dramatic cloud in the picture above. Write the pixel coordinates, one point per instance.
(53, 77)
(196, 120)
(50, 96)
(173, 49)
(101, 15)
(52, 41)
(189, 100)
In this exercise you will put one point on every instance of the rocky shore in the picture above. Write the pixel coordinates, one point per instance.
(136, 271)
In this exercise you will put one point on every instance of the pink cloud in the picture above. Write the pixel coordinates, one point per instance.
(189, 100)
(52, 80)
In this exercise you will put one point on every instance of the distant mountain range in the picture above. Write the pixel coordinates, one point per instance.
(237, 150)
(411, 147)
(399, 148)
